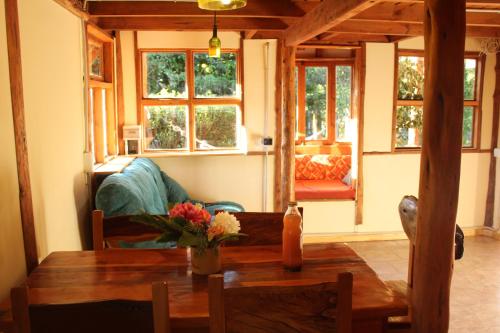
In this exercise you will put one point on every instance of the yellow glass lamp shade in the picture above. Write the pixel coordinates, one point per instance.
(214, 46)
(221, 4)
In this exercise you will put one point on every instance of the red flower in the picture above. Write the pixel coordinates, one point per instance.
(193, 213)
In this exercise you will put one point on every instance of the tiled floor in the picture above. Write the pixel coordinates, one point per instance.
(475, 294)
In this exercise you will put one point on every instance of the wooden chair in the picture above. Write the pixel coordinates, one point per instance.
(261, 228)
(325, 307)
(105, 230)
(98, 317)
(402, 289)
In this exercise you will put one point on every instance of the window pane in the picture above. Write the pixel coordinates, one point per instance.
(409, 126)
(216, 126)
(165, 75)
(411, 78)
(470, 79)
(215, 77)
(468, 126)
(166, 127)
(316, 103)
(343, 100)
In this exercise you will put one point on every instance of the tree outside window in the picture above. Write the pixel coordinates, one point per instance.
(410, 95)
(191, 101)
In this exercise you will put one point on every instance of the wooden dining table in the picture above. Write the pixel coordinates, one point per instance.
(83, 276)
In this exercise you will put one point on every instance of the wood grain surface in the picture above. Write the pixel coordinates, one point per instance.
(72, 277)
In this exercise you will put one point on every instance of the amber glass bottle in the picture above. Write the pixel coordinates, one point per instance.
(292, 238)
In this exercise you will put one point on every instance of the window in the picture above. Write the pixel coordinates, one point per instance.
(190, 102)
(324, 95)
(102, 116)
(410, 95)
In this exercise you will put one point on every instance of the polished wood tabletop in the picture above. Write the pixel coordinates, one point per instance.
(82, 276)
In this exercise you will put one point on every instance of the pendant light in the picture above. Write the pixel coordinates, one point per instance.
(214, 43)
(221, 4)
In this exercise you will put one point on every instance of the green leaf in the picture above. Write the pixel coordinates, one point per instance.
(188, 239)
(230, 237)
(167, 237)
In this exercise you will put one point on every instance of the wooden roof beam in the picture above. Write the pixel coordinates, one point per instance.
(324, 17)
(254, 8)
(403, 29)
(75, 6)
(189, 23)
(492, 4)
(414, 13)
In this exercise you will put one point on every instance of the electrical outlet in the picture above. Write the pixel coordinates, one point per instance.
(496, 152)
(267, 141)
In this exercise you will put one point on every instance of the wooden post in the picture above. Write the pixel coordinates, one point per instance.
(288, 125)
(440, 163)
(120, 103)
(17, 97)
(359, 92)
(278, 207)
(490, 200)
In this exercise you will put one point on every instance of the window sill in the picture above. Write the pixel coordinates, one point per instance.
(200, 153)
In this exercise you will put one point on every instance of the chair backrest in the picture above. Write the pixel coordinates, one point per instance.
(122, 316)
(119, 227)
(325, 307)
(261, 228)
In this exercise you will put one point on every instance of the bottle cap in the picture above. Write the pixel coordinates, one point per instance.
(292, 203)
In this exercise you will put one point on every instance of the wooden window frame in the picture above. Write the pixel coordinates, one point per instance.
(476, 103)
(191, 101)
(331, 100)
(102, 148)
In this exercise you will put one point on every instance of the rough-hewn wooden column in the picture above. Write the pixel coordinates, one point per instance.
(288, 125)
(490, 200)
(17, 97)
(440, 163)
(278, 112)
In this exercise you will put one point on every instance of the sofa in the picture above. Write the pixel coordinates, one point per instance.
(143, 188)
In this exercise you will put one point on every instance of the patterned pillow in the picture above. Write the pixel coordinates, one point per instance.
(338, 167)
(300, 165)
(315, 169)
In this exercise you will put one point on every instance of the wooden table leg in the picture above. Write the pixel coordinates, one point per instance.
(370, 325)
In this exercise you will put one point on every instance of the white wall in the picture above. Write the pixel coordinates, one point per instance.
(53, 96)
(12, 267)
(390, 176)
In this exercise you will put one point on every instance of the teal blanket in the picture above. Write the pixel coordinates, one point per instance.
(143, 187)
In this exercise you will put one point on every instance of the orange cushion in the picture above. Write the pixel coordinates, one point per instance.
(300, 165)
(338, 167)
(323, 189)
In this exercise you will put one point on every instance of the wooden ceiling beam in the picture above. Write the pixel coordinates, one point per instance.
(249, 34)
(492, 4)
(75, 6)
(414, 13)
(350, 39)
(324, 17)
(403, 29)
(254, 8)
(189, 23)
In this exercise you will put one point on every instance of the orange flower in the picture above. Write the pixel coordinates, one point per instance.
(214, 231)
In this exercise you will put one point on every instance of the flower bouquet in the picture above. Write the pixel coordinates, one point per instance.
(192, 226)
